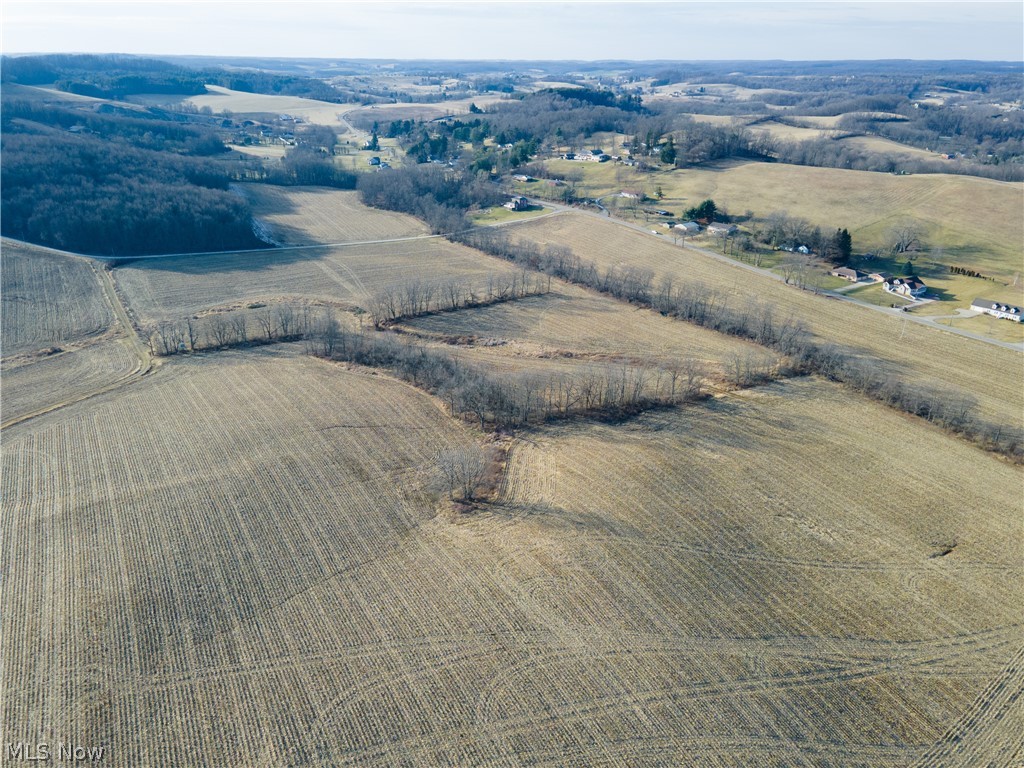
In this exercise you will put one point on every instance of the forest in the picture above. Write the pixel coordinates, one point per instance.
(111, 184)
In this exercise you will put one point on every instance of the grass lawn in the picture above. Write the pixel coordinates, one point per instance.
(875, 294)
(987, 325)
(500, 214)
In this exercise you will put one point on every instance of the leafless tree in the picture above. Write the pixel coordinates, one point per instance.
(462, 470)
(904, 238)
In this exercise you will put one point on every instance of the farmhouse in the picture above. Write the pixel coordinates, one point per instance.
(373, 161)
(688, 226)
(998, 309)
(847, 274)
(880, 277)
(518, 203)
(905, 286)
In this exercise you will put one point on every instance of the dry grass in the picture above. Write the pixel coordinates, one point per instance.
(881, 146)
(906, 348)
(265, 557)
(572, 323)
(170, 289)
(48, 299)
(242, 103)
(308, 215)
(977, 222)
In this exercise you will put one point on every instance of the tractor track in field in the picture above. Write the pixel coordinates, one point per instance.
(130, 338)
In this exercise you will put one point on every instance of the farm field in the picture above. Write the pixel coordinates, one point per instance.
(985, 236)
(925, 354)
(220, 99)
(287, 576)
(578, 324)
(888, 147)
(309, 215)
(47, 381)
(704, 508)
(170, 289)
(48, 299)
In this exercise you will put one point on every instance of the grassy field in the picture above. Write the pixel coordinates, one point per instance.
(906, 348)
(987, 325)
(48, 299)
(308, 215)
(220, 99)
(171, 289)
(575, 324)
(985, 235)
(500, 214)
(260, 576)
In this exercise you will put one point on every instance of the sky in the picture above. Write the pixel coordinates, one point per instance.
(585, 30)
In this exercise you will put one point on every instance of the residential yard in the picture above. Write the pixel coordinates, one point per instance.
(873, 293)
(499, 214)
(987, 325)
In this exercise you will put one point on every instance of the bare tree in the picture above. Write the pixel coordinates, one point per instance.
(266, 320)
(219, 330)
(462, 470)
(904, 238)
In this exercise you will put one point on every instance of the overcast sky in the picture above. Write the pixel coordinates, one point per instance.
(521, 30)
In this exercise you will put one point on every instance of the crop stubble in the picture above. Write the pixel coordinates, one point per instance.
(239, 561)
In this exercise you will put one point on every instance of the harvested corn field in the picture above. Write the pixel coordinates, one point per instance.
(307, 215)
(571, 322)
(48, 299)
(45, 382)
(169, 289)
(702, 585)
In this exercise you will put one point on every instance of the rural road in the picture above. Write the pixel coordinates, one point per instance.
(924, 321)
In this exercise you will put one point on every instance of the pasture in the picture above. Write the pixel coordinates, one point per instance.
(243, 558)
(905, 348)
(985, 235)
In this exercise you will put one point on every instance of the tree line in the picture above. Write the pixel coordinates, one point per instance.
(417, 297)
(696, 303)
(505, 401)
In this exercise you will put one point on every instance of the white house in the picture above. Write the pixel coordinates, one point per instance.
(998, 309)
(910, 286)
